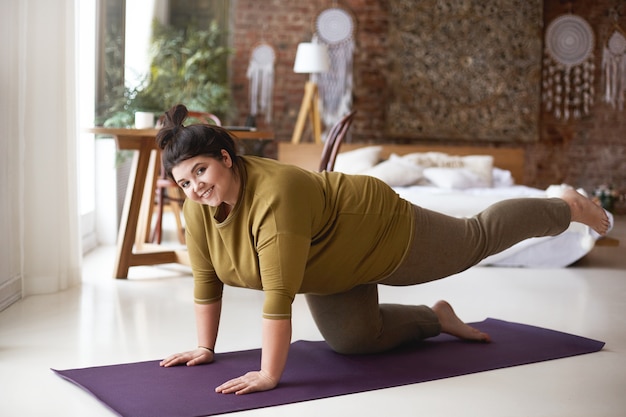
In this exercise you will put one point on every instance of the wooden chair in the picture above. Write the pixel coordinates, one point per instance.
(333, 141)
(168, 194)
(204, 117)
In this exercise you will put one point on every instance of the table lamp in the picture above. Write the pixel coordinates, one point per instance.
(311, 58)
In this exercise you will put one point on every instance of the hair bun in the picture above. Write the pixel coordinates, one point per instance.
(164, 137)
(172, 123)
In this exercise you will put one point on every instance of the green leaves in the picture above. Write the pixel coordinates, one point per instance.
(188, 66)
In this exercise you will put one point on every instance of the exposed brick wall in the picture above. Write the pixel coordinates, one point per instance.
(584, 153)
(591, 151)
(282, 25)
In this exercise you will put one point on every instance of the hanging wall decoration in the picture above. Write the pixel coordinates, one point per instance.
(568, 67)
(614, 69)
(463, 70)
(335, 28)
(261, 76)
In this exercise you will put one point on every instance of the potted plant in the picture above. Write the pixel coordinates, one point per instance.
(188, 66)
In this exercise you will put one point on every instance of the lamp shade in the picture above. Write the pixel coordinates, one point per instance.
(310, 58)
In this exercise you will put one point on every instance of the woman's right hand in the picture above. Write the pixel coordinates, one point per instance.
(189, 358)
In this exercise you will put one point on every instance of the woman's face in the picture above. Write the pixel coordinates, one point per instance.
(208, 180)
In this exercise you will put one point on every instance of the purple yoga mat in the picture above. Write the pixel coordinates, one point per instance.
(313, 371)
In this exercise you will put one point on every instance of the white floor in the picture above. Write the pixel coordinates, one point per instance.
(107, 321)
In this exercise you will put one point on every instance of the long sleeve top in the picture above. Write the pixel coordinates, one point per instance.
(296, 231)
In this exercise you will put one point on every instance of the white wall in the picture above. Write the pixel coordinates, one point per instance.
(106, 193)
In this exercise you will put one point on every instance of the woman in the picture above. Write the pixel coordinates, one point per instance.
(256, 223)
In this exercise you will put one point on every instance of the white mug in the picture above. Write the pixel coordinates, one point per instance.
(144, 120)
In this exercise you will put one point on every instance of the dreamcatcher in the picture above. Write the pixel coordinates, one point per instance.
(614, 69)
(568, 67)
(334, 27)
(261, 76)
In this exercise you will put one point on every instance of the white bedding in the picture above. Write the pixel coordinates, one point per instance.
(546, 252)
(462, 186)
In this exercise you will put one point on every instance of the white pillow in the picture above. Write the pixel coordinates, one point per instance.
(481, 165)
(358, 160)
(396, 172)
(425, 159)
(502, 178)
(454, 178)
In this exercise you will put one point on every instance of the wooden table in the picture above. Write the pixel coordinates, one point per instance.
(133, 248)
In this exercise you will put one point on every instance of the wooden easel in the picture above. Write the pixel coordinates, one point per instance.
(309, 107)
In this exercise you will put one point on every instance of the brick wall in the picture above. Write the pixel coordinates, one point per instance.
(584, 153)
(284, 25)
(590, 151)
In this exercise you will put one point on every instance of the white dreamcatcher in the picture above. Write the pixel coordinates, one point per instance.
(568, 67)
(614, 69)
(334, 27)
(261, 75)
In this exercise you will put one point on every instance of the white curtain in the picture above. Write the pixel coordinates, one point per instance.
(39, 177)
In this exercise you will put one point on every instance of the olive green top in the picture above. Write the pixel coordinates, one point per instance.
(295, 231)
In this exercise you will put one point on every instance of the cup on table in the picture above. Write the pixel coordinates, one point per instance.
(144, 120)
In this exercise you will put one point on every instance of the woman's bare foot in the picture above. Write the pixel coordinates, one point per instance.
(452, 324)
(586, 211)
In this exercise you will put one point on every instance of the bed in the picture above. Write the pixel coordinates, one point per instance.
(458, 181)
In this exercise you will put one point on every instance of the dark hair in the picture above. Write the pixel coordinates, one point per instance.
(179, 143)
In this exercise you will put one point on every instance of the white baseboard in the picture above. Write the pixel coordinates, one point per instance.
(10, 292)
(89, 242)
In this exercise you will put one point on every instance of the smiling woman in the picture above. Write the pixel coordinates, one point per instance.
(257, 223)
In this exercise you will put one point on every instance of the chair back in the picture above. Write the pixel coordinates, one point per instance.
(333, 142)
(206, 118)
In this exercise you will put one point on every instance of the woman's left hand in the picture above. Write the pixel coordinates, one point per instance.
(250, 382)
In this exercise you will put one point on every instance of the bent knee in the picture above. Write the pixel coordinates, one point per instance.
(355, 346)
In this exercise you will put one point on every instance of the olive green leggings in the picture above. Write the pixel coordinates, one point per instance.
(354, 322)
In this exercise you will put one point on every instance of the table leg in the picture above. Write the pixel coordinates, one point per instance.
(130, 212)
(147, 202)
